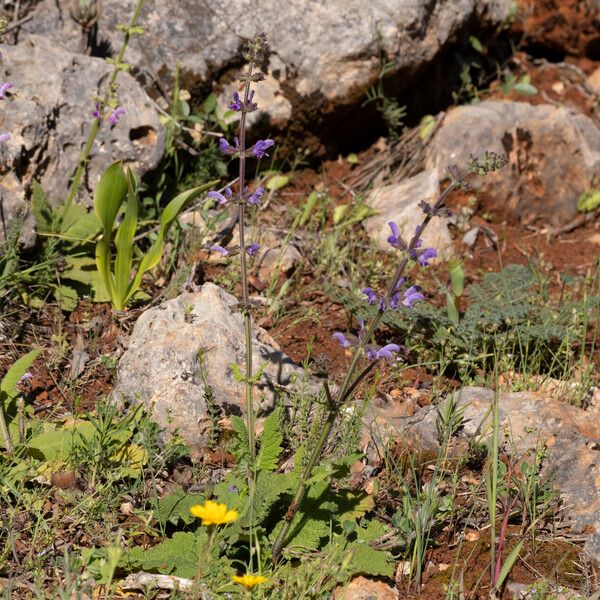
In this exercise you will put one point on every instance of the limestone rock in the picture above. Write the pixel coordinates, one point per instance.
(361, 588)
(400, 203)
(530, 420)
(49, 112)
(323, 54)
(161, 365)
(553, 152)
(594, 81)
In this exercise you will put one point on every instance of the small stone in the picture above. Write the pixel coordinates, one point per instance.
(126, 508)
(64, 479)
(472, 536)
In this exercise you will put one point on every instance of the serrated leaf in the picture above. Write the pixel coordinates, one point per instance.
(42, 211)
(66, 297)
(176, 507)
(368, 561)
(270, 442)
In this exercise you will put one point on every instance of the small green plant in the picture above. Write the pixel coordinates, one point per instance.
(115, 187)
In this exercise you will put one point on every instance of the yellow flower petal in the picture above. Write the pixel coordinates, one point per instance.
(249, 581)
(213, 513)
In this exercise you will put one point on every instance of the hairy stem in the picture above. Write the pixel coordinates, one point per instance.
(351, 381)
(85, 153)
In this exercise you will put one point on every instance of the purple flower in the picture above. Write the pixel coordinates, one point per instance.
(115, 115)
(4, 137)
(252, 249)
(371, 295)
(387, 352)
(25, 378)
(232, 489)
(256, 196)
(236, 104)
(341, 339)
(4, 88)
(227, 148)
(260, 148)
(222, 199)
(425, 256)
(97, 114)
(222, 251)
(411, 295)
(395, 239)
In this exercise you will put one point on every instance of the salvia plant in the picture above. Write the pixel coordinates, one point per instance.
(400, 293)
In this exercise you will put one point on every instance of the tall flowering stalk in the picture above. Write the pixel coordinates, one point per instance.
(108, 104)
(399, 292)
(254, 54)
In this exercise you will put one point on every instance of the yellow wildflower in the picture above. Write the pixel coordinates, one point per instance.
(213, 513)
(249, 581)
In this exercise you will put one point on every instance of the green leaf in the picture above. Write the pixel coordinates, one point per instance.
(8, 386)
(66, 297)
(270, 442)
(368, 561)
(168, 215)
(426, 126)
(353, 159)
(457, 277)
(508, 564)
(277, 182)
(476, 44)
(237, 373)
(79, 225)
(124, 241)
(339, 213)
(525, 88)
(589, 201)
(108, 197)
(176, 507)
(308, 208)
(56, 443)
(42, 211)
(210, 104)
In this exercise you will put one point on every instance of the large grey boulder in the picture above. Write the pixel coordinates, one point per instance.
(528, 421)
(162, 366)
(553, 152)
(400, 203)
(49, 112)
(323, 53)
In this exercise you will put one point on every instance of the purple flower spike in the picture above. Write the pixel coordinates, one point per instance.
(370, 294)
(427, 254)
(221, 198)
(115, 115)
(252, 249)
(412, 295)
(97, 114)
(236, 104)
(341, 339)
(222, 251)
(4, 88)
(256, 196)
(260, 148)
(4, 137)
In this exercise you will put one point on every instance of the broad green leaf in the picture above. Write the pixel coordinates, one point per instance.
(79, 225)
(277, 182)
(589, 201)
(124, 241)
(56, 443)
(457, 277)
(108, 197)
(9, 382)
(339, 212)
(168, 215)
(368, 561)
